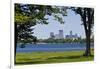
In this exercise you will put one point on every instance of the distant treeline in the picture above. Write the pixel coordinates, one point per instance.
(50, 40)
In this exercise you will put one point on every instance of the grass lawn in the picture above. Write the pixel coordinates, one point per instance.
(52, 57)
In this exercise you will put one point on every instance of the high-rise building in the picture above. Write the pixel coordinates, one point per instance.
(61, 34)
(71, 33)
(72, 36)
(57, 36)
(52, 35)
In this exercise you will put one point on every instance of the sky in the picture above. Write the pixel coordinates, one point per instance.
(72, 23)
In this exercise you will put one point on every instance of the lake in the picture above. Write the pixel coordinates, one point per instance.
(52, 47)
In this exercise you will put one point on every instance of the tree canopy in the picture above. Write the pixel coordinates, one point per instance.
(28, 15)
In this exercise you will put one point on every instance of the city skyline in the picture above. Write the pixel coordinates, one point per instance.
(72, 22)
(61, 35)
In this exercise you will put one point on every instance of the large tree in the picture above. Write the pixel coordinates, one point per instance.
(87, 17)
(28, 15)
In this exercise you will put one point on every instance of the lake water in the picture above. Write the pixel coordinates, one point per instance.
(51, 47)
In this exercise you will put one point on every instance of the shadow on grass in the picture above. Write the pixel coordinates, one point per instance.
(70, 57)
(65, 57)
(29, 62)
(49, 60)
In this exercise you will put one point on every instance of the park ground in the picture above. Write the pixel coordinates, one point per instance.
(52, 57)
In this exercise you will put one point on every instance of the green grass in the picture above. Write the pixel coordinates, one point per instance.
(51, 57)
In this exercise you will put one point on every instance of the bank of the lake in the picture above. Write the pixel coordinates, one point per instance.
(52, 57)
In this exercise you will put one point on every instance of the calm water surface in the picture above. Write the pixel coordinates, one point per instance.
(51, 47)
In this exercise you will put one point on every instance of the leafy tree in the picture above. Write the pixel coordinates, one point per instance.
(28, 15)
(87, 17)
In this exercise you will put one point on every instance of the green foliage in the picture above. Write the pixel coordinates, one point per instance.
(28, 15)
(19, 18)
(58, 18)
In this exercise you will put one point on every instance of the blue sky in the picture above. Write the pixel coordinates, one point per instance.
(72, 22)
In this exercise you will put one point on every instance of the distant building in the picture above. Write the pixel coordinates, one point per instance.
(71, 33)
(52, 35)
(57, 36)
(61, 36)
(71, 36)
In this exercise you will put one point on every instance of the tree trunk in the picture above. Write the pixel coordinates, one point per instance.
(88, 44)
(87, 27)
